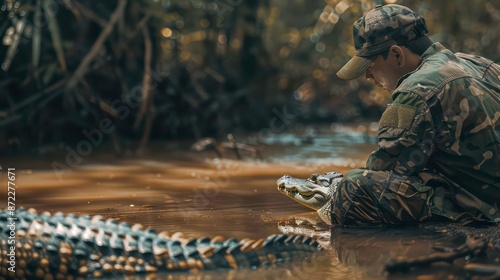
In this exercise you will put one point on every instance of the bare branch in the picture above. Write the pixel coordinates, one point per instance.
(84, 65)
(147, 101)
(472, 246)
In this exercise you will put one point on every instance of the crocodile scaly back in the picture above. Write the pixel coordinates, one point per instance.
(67, 246)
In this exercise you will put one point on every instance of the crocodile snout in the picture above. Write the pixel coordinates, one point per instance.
(305, 191)
(292, 186)
(282, 182)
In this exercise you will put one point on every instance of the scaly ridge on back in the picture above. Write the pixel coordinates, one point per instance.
(67, 246)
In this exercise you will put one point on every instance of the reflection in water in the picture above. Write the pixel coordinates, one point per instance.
(363, 252)
(171, 188)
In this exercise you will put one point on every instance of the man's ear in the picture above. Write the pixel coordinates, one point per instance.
(398, 54)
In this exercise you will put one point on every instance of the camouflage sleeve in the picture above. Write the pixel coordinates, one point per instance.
(405, 136)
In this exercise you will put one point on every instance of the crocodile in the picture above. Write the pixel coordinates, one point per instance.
(315, 192)
(66, 246)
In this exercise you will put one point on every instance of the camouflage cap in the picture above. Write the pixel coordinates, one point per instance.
(377, 31)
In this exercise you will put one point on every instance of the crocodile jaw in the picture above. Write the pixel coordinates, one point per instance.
(305, 192)
(325, 212)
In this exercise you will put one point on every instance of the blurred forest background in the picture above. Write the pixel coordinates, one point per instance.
(171, 69)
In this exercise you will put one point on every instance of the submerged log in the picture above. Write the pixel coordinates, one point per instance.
(472, 247)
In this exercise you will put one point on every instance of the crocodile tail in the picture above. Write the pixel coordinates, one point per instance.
(45, 246)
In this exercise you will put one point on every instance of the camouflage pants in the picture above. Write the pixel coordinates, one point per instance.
(367, 197)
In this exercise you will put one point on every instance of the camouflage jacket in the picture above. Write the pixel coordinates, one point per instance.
(444, 126)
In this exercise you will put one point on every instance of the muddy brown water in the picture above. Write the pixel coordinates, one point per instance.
(168, 187)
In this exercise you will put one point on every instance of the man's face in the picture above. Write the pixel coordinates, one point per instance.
(384, 72)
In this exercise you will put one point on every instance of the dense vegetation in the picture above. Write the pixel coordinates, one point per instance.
(136, 69)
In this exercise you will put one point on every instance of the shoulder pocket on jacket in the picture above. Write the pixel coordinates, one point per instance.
(397, 116)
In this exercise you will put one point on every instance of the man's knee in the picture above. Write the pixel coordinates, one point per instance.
(356, 200)
(364, 181)
(349, 185)
(354, 174)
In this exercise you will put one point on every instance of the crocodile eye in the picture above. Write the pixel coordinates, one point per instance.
(313, 177)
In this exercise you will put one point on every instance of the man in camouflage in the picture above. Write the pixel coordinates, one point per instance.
(438, 156)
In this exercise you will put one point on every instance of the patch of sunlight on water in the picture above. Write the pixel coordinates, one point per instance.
(348, 147)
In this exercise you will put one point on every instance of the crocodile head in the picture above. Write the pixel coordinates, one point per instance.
(315, 192)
